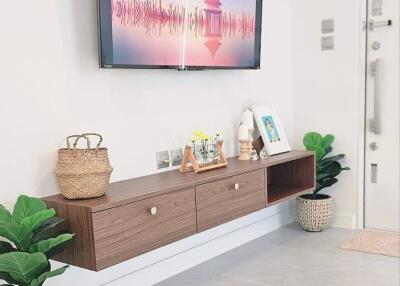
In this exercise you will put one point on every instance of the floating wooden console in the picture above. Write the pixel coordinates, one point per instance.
(142, 214)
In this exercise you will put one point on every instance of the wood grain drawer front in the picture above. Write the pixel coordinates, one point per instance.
(230, 198)
(130, 230)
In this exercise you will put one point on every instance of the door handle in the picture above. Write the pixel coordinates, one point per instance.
(378, 24)
(377, 73)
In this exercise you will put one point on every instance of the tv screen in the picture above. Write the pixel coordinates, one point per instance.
(180, 34)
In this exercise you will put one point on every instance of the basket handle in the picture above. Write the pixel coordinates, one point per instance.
(79, 137)
(69, 137)
(95, 134)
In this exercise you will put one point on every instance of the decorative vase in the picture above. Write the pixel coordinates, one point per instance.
(314, 214)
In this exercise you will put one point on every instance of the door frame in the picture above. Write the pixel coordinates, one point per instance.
(361, 108)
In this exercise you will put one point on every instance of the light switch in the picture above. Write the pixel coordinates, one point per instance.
(327, 43)
(377, 8)
(327, 26)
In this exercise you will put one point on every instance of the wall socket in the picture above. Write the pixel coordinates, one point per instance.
(176, 156)
(162, 159)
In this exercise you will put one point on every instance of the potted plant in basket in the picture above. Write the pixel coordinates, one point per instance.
(32, 237)
(315, 211)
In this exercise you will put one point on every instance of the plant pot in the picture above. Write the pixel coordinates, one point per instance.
(314, 214)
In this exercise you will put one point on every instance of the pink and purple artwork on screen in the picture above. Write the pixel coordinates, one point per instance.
(215, 33)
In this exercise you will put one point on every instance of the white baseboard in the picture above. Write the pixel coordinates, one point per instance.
(177, 257)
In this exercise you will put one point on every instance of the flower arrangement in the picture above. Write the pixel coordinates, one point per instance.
(205, 147)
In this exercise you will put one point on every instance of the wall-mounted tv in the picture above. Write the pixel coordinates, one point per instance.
(180, 34)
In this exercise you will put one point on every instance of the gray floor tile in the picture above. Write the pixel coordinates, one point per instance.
(291, 256)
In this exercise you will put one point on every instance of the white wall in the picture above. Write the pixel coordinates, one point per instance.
(327, 92)
(51, 87)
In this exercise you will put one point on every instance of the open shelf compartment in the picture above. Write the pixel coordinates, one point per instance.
(290, 179)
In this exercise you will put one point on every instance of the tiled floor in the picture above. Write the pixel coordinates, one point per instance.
(291, 256)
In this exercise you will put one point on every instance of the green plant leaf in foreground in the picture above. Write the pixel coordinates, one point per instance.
(7, 277)
(23, 267)
(52, 246)
(32, 221)
(39, 281)
(5, 215)
(6, 247)
(27, 206)
(44, 229)
(31, 231)
(20, 235)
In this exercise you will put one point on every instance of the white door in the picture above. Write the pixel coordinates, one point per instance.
(382, 173)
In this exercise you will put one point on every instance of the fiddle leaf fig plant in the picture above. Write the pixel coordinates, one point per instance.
(32, 237)
(328, 168)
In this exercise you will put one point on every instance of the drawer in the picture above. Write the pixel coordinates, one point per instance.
(220, 201)
(130, 230)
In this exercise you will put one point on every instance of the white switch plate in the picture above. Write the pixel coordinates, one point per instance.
(327, 26)
(327, 43)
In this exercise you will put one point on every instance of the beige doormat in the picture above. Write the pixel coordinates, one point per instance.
(376, 242)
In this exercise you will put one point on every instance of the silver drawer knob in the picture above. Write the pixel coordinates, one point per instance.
(237, 186)
(153, 210)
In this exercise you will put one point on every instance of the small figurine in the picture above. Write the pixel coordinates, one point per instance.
(254, 155)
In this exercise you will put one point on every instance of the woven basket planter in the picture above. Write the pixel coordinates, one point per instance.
(315, 215)
(83, 173)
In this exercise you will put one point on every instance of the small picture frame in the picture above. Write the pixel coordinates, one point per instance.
(271, 130)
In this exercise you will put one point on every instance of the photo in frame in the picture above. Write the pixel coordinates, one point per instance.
(271, 130)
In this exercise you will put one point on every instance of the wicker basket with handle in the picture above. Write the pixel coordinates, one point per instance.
(83, 173)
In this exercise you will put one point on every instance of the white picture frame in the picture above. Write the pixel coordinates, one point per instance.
(271, 130)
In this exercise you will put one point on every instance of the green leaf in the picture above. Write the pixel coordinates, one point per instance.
(52, 246)
(333, 158)
(31, 222)
(20, 235)
(23, 267)
(312, 139)
(44, 229)
(27, 206)
(39, 281)
(327, 182)
(327, 164)
(328, 150)
(322, 176)
(5, 215)
(333, 169)
(7, 277)
(6, 247)
(327, 141)
(318, 151)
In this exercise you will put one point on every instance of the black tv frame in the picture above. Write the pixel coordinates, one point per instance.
(105, 44)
